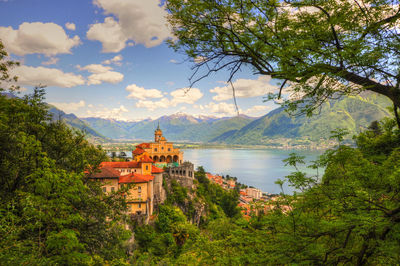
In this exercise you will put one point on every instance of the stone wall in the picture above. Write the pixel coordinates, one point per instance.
(183, 173)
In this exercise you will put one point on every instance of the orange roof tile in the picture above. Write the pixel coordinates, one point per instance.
(156, 170)
(138, 151)
(135, 178)
(144, 145)
(146, 159)
(131, 164)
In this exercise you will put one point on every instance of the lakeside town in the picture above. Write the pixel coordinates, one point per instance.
(142, 177)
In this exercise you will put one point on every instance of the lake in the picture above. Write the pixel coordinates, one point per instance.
(257, 168)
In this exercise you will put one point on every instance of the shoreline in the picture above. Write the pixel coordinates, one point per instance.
(123, 146)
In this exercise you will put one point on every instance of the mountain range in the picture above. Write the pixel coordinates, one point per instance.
(354, 113)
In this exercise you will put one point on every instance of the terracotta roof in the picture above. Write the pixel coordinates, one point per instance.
(135, 178)
(131, 164)
(138, 151)
(144, 145)
(105, 172)
(146, 159)
(156, 170)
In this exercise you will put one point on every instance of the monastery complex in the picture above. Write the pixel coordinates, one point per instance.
(141, 178)
(160, 151)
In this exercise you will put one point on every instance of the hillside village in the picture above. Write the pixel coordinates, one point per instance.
(141, 178)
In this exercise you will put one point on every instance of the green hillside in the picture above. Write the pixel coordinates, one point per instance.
(73, 121)
(354, 113)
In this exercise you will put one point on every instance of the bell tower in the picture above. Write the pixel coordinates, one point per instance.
(157, 134)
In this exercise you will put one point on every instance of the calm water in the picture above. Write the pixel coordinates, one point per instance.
(258, 168)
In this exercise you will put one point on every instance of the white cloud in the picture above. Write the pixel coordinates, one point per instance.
(153, 105)
(115, 60)
(184, 95)
(95, 68)
(245, 88)
(50, 61)
(173, 61)
(33, 76)
(70, 26)
(141, 93)
(109, 34)
(109, 77)
(69, 107)
(140, 22)
(101, 74)
(108, 113)
(220, 109)
(37, 37)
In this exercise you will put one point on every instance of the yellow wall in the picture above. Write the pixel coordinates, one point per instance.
(133, 208)
(109, 184)
(146, 168)
(127, 171)
(135, 195)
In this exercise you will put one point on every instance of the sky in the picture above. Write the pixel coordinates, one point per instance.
(109, 59)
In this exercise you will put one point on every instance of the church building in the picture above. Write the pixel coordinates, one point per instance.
(160, 151)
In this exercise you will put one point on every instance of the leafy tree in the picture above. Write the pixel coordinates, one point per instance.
(322, 48)
(351, 216)
(5, 66)
(50, 212)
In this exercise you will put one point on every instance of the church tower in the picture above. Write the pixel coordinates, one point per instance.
(157, 134)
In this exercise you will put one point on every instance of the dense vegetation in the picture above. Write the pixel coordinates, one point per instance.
(350, 215)
(318, 49)
(50, 212)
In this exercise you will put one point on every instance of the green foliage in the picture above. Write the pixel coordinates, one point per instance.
(350, 215)
(317, 49)
(5, 66)
(50, 212)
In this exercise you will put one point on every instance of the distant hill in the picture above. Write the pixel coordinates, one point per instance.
(70, 119)
(74, 122)
(354, 113)
(178, 126)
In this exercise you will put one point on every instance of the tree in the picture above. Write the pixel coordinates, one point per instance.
(320, 48)
(50, 213)
(5, 66)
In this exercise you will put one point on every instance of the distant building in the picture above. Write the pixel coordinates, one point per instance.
(254, 193)
(160, 151)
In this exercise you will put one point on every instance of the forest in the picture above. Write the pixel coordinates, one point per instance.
(52, 214)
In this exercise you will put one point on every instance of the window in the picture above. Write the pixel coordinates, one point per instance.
(112, 189)
(169, 149)
(139, 189)
(147, 167)
(155, 149)
(139, 205)
(104, 189)
(162, 148)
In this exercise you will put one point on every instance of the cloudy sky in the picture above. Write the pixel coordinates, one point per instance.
(108, 58)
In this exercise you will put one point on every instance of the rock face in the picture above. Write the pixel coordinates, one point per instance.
(159, 192)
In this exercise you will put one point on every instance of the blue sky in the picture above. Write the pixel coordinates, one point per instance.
(108, 58)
